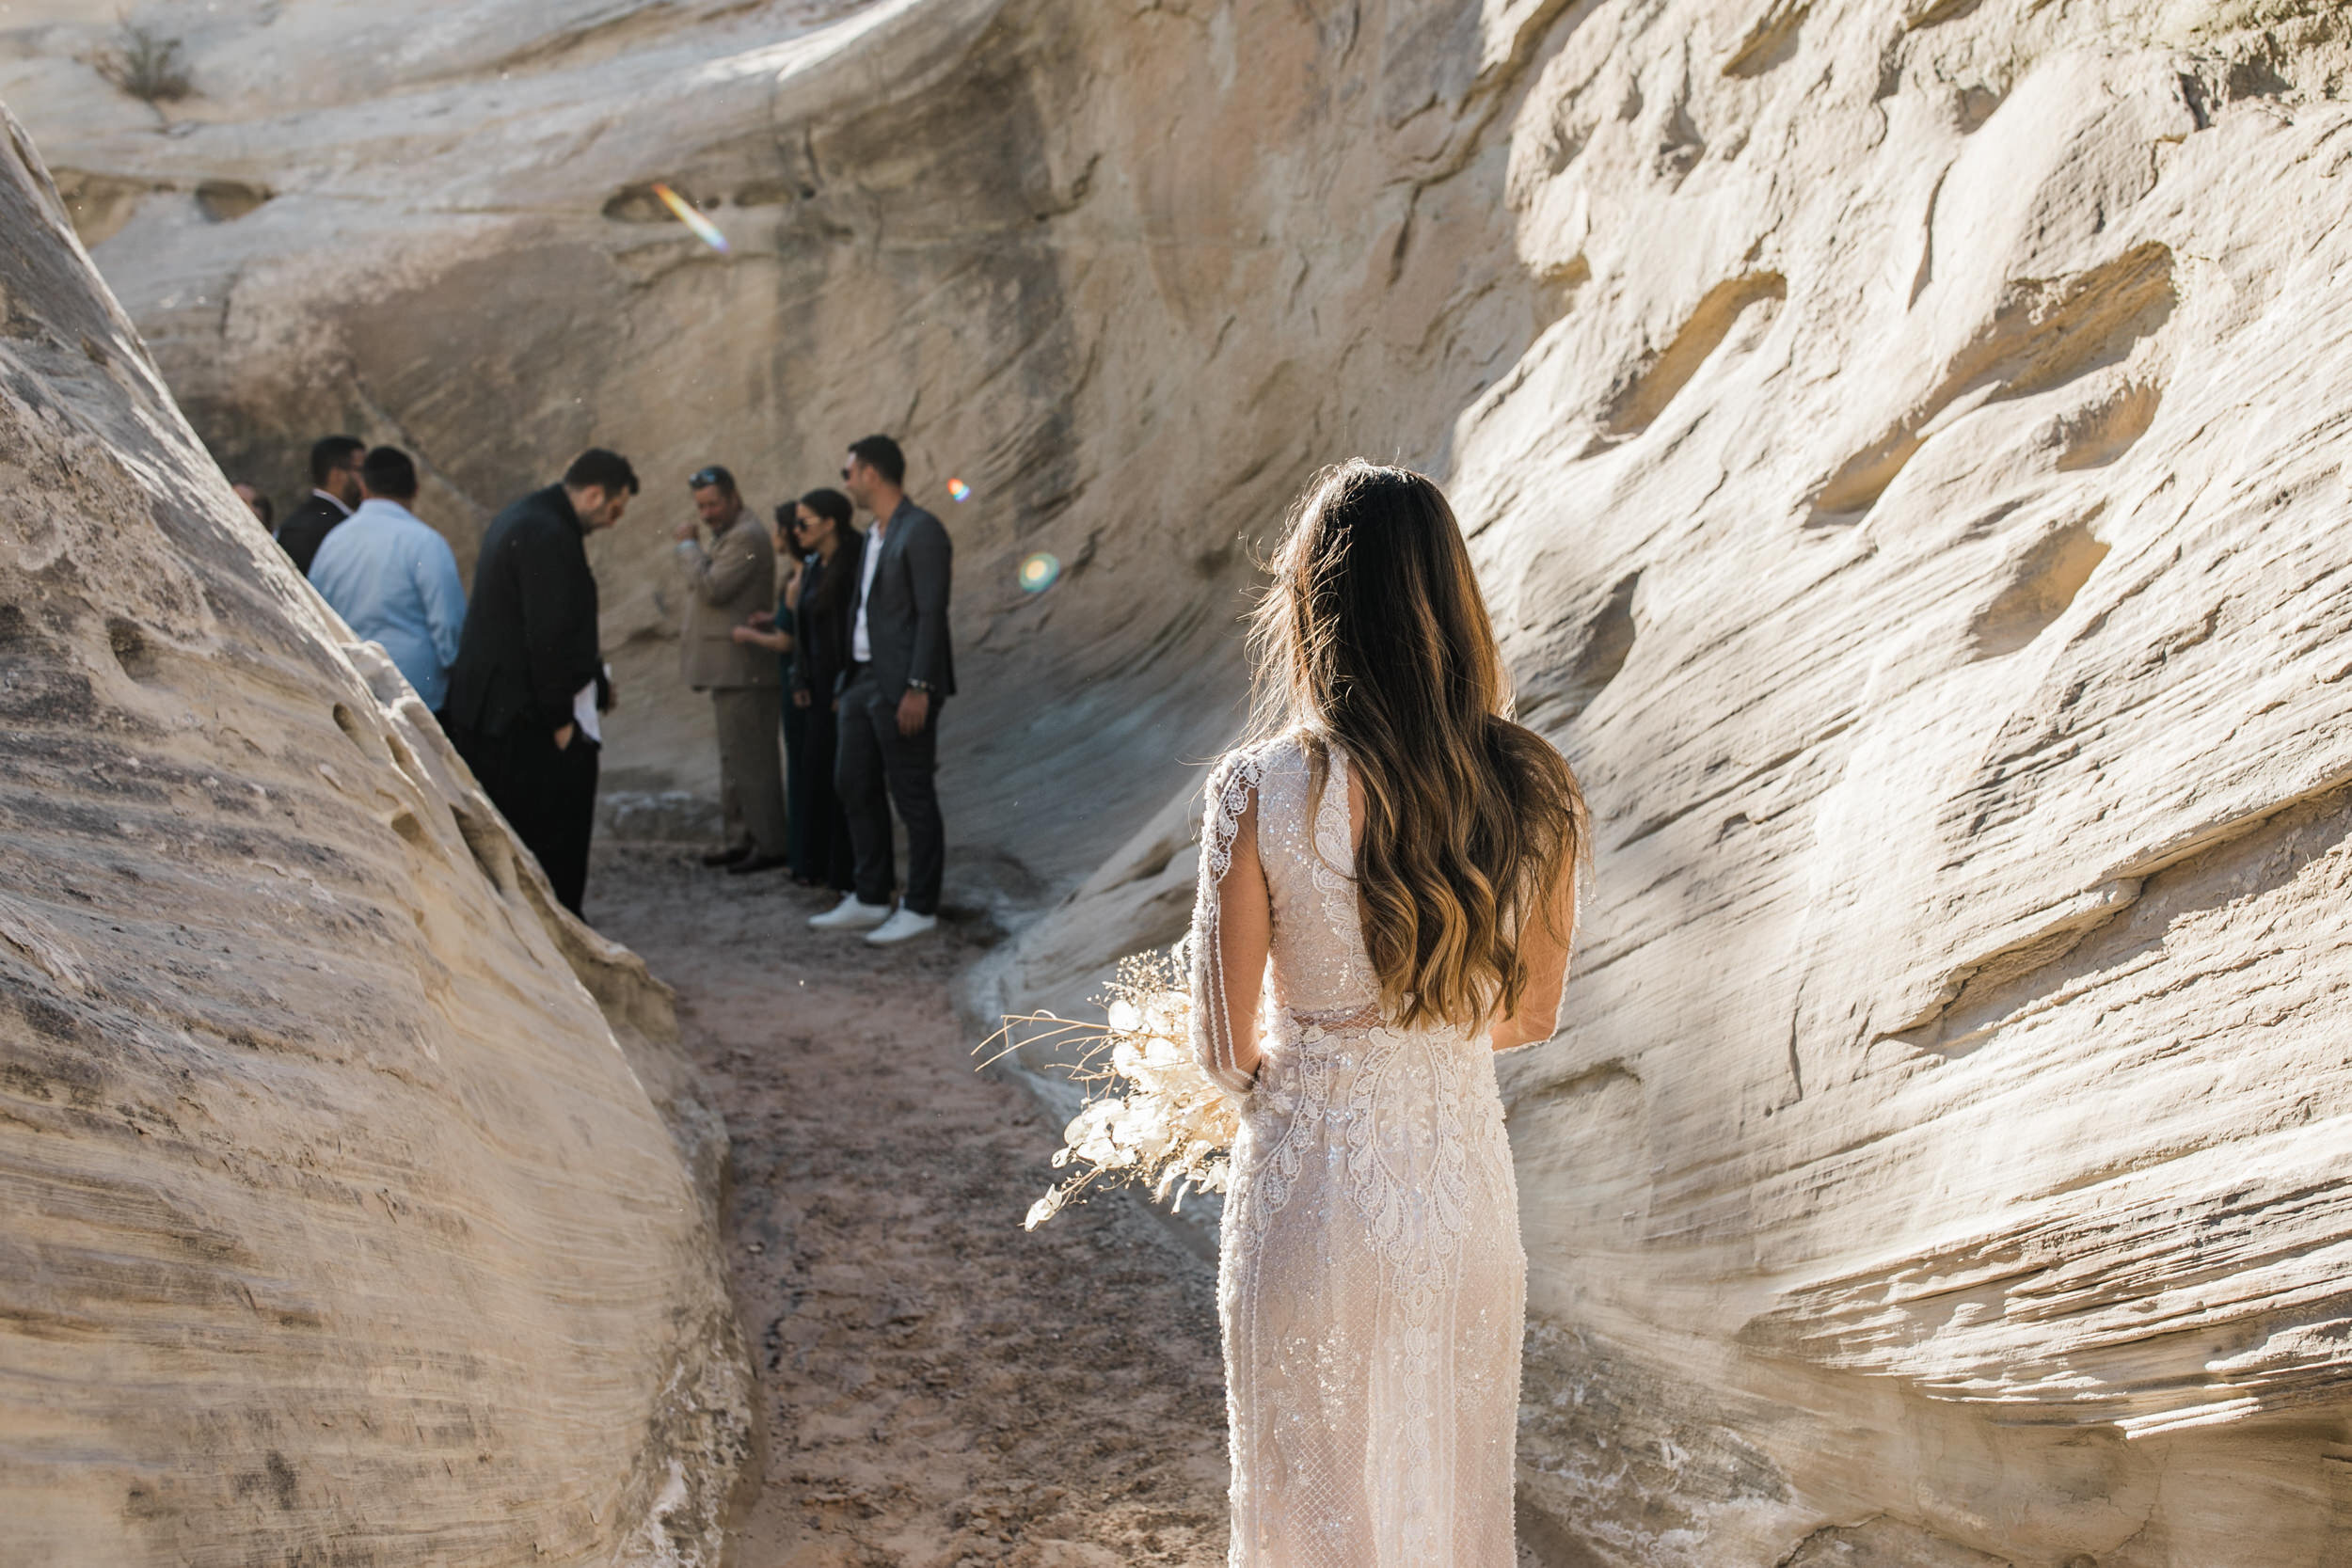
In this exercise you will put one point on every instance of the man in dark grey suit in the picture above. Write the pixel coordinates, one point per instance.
(900, 670)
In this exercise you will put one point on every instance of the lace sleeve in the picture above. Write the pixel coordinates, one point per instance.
(1232, 789)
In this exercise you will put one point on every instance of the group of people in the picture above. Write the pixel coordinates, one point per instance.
(853, 657)
(847, 659)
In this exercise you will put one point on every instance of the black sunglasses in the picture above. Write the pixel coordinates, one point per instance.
(703, 479)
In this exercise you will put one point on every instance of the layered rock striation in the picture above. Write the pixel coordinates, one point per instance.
(1901, 440)
(358, 1207)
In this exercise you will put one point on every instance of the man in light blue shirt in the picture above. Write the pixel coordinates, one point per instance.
(394, 580)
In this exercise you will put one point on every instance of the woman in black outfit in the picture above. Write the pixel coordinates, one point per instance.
(834, 550)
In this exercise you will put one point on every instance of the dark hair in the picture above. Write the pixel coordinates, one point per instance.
(839, 583)
(713, 475)
(333, 452)
(387, 472)
(832, 504)
(881, 454)
(265, 509)
(597, 466)
(1375, 635)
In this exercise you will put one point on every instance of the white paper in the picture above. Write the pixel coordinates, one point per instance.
(584, 711)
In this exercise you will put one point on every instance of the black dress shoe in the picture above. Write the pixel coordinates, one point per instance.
(727, 857)
(756, 863)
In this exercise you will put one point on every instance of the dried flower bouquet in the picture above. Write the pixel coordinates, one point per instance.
(1152, 1116)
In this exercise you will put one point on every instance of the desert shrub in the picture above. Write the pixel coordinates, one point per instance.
(144, 63)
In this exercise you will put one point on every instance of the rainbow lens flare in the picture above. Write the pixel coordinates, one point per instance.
(961, 491)
(685, 212)
(1039, 572)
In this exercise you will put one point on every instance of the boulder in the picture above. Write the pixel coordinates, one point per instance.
(360, 1205)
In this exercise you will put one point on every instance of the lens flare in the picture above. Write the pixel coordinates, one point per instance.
(961, 491)
(1039, 572)
(685, 213)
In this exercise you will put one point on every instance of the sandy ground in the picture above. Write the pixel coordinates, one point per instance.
(941, 1387)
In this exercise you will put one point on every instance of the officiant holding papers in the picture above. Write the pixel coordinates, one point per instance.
(529, 683)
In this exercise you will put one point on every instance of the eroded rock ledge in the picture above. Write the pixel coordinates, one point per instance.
(359, 1209)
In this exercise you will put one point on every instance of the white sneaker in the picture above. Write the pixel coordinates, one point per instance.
(850, 915)
(902, 927)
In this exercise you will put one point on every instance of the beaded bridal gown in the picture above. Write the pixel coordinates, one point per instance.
(1372, 1288)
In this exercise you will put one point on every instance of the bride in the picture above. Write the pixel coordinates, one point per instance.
(1388, 873)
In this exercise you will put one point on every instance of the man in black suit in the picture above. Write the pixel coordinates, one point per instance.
(901, 669)
(334, 495)
(530, 681)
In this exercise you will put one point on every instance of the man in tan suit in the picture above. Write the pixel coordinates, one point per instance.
(728, 581)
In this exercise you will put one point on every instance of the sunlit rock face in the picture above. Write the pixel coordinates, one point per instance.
(358, 1208)
(1923, 531)
(1927, 545)
(1900, 443)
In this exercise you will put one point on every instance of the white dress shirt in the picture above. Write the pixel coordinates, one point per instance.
(861, 646)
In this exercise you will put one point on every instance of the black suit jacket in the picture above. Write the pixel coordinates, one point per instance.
(529, 641)
(300, 535)
(906, 608)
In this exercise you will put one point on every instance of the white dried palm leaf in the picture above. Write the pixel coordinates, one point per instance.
(1152, 1116)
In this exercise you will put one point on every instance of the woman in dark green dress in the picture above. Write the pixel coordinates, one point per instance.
(833, 551)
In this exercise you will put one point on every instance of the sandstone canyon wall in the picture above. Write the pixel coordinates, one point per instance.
(1923, 529)
(359, 1209)
(1901, 438)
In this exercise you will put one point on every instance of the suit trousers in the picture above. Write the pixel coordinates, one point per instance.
(824, 828)
(548, 796)
(751, 766)
(797, 811)
(876, 768)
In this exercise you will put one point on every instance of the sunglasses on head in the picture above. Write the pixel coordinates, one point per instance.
(703, 479)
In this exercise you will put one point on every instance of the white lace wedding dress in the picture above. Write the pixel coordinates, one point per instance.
(1372, 1288)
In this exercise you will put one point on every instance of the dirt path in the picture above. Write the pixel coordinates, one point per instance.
(943, 1389)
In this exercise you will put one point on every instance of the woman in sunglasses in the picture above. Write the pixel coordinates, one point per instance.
(833, 549)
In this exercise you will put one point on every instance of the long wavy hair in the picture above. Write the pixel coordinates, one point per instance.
(1373, 636)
